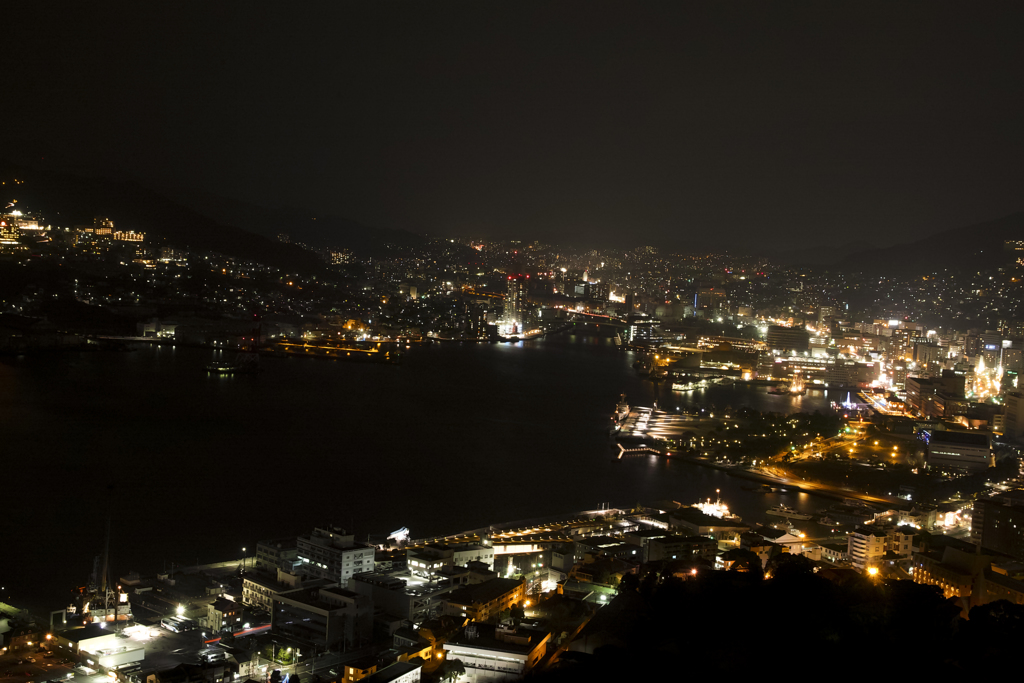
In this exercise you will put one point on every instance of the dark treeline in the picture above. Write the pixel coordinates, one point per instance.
(790, 618)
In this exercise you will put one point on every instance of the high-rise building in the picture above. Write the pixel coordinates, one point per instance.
(515, 301)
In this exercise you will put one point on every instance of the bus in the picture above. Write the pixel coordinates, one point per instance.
(172, 624)
(178, 624)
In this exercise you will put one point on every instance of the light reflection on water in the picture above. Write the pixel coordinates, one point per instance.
(193, 466)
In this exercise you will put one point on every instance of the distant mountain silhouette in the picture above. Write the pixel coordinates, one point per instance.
(235, 229)
(301, 225)
(820, 256)
(972, 247)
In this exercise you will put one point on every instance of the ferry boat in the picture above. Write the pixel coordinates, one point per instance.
(787, 512)
(717, 509)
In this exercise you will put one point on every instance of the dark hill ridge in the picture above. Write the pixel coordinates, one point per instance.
(300, 224)
(819, 256)
(973, 247)
(65, 199)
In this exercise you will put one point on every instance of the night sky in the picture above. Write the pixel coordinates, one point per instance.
(763, 123)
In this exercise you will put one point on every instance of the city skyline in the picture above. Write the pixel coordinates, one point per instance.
(467, 343)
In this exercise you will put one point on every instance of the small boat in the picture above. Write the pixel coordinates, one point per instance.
(828, 521)
(245, 363)
(231, 368)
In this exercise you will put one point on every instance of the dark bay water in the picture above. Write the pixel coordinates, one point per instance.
(193, 467)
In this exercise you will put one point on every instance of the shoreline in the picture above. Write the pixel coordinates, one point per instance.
(813, 489)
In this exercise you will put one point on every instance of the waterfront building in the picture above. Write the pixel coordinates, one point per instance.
(786, 339)
(464, 553)
(437, 557)
(693, 522)
(586, 548)
(332, 553)
(281, 553)
(430, 559)
(515, 303)
(641, 538)
(98, 646)
(471, 572)
(640, 328)
(681, 548)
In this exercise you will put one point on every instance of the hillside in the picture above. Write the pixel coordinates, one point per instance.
(301, 225)
(65, 199)
(972, 247)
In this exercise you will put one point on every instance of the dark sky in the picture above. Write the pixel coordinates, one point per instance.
(781, 123)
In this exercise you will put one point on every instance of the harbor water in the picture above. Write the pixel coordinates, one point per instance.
(190, 467)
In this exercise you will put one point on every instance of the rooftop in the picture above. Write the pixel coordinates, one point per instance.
(390, 673)
(521, 640)
(482, 593)
(960, 438)
(77, 635)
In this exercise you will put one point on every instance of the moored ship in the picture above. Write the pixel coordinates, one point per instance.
(787, 512)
